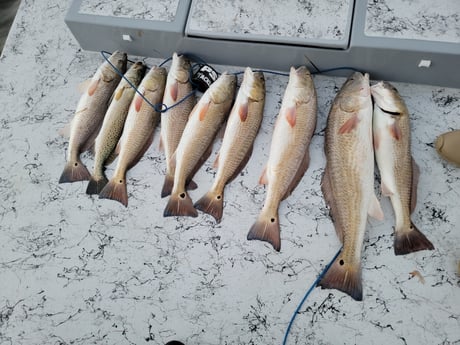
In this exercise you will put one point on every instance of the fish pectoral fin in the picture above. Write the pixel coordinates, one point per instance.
(93, 86)
(415, 178)
(173, 90)
(264, 178)
(65, 131)
(375, 211)
(243, 111)
(350, 124)
(291, 115)
(84, 86)
(395, 131)
(138, 101)
(299, 174)
(202, 110)
(118, 93)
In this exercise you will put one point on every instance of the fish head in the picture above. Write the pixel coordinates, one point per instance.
(180, 68)
(301, 79)
(254, 84)
(117, 59)
(387, 98)
(354, 92)
(223, 88)
(155, 79)
(136, 72)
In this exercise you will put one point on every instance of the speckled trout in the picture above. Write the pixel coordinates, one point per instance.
(289, 155)
(398, 171)
(112, 127)
(173, 121)
(137, 133)
(89, 116)
(241, 130)
(348, 181)
(204, 122)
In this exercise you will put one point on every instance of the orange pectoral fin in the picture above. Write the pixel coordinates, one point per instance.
(395, 131)
(93, 86)
(202, 110)
(138, 102)
(243, 112)
(291, 116)
(349, 125)
(376, 141)
(118, 93)
(173, 90)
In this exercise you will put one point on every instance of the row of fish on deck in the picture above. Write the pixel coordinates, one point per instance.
(115, 121)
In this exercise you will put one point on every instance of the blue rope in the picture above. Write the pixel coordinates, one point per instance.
(308, 294)
(160, 107)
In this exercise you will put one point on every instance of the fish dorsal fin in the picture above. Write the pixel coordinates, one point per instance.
(415, 178)
(375, 211)
(299, 174)
(326, 188)
(264, 178)
(291, 116)
(350, 124)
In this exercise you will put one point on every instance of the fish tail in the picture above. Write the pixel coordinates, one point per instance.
(168, 185)
(345, 277)
(266, 228)
(410, 241)
(74, 171)
(95, 185)
(212, 203)
(180, 204)
(115, 189)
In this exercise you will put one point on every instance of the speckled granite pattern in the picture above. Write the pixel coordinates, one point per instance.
(161, 10)
(292, 18)
(414, 19)
(79, 270)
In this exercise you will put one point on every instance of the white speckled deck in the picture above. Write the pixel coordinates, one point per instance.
(161, 10)
(414, 19)
(79, 270)
(292, 20)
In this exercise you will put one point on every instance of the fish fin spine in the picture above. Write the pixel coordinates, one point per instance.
(180, 204)
(115, 189)
(345, 277)
(410, 241)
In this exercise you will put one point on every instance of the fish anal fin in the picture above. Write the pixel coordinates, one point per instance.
(180, 204)
(349, 125)
(386, 191)
(345, 277)
(116, 190)
(161, 146)
(212, 203)
(376, 140)
(264, 178)
(266, 228)
(415, 178)
(375, 211)
(291, 116)
(168, 185)
(411, 240)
